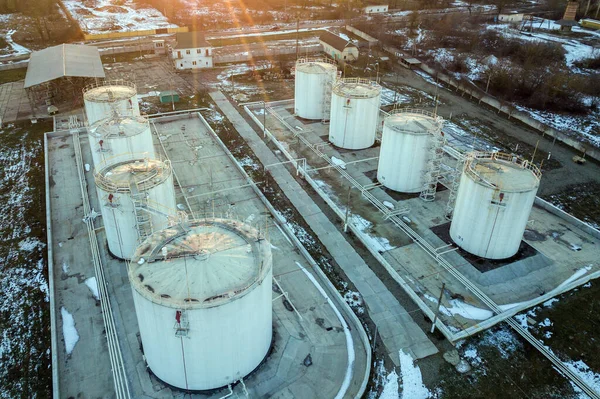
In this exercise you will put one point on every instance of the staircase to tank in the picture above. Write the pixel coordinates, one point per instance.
(454, 182)
(327, 102)
(143, 219)
(432, 171)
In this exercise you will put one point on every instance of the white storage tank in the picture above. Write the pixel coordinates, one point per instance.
(493, 204)
(120, 135)
(104, 99)
(354, 113)
(203, 299)
(405, 149)
(314, 80)
(137, 197)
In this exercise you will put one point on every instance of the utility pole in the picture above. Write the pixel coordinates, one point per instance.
(487, 86)
(297, 33)
(264, 119)
(437, 312)
(587, 8)
(171, 94)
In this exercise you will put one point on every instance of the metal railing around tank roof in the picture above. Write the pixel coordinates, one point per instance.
(114, 82)
(498, 156)
(309, 60)
(113, 127)
(153, 169)
(438, 120)
(340, 84)
(151, 251)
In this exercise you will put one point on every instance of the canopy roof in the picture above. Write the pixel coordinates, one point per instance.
(63, 60)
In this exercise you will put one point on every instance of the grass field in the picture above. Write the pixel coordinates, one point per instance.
(12, 75)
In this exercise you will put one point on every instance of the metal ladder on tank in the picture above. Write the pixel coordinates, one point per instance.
(143, 219)
(432, 171)
(454, 182)
(327, 102)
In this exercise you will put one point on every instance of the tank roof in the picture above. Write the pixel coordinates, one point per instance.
(133, 174)
(501, 171)
(415, 122)
(119, 126)
(357, 88)
(317, 65)
(108, 92)
(199, 264)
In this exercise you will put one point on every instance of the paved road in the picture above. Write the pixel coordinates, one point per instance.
(396, 327)
(13, 102)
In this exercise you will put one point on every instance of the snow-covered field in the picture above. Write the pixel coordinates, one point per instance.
(107, 16)
(24, 311)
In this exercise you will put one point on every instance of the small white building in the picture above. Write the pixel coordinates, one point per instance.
(375, 9)
(511, 17)
(192, 51)
(338, 48)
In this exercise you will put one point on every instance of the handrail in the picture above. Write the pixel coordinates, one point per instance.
(438, 120)
(104, 127)
(155, 170)
(499, 156)
(308, 60)
(340, 84)
(114, 82)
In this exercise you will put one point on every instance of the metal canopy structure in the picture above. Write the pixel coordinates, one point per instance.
(65, 60)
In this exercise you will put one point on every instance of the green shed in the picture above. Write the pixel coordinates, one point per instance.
(168, 96)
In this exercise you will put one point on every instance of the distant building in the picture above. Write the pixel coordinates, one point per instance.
(375, 9)
(511, 17)
(338, 48)
(192, 51)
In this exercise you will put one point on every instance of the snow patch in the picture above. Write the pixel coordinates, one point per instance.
(30, 244)
(69, 331)
(412, 380)
(92, 284)
(575, 276)
(549, 302)
(338, 162)
(390, 389)
(381, 244)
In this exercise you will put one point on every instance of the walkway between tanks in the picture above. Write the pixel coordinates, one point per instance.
(396, 327)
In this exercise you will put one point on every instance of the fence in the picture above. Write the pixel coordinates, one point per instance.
(252, 54)
(133, 33)
(362, 35)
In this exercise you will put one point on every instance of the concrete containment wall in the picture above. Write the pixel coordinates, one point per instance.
(362, 34)
(249, 55)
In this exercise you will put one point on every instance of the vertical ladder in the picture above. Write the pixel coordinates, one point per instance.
(432, 171)
(182, 327)
(327, 101)
(454, 183)
(143, 219)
